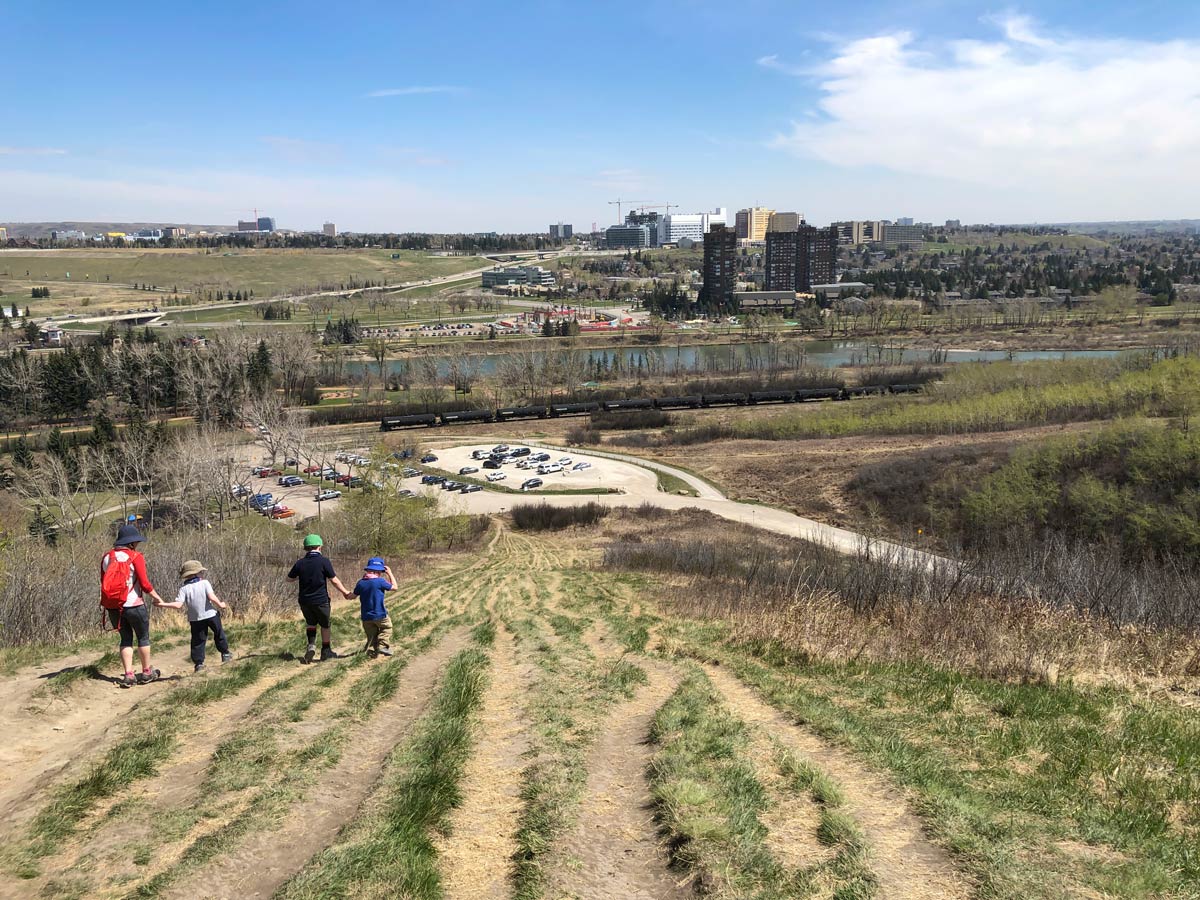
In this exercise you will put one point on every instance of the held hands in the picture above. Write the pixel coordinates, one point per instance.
(349, 595)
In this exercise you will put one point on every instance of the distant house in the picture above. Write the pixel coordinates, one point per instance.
(51, 335)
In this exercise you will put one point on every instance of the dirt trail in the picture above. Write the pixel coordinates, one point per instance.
(907, 864)
(613, 850)
(269, 857)
(476, 856)
(46, 740)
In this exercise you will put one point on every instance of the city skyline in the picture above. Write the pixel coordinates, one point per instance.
(429, 121)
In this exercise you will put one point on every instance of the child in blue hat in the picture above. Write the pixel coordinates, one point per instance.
(377, 580)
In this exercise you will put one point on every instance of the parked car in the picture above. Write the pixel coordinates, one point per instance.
(540, 457)
(580, 466)
(279, 511)
(356, 481)
(257, 470)
(470, 488)
(496, 476)
(411, 473)
(520, 451)
(405, 493)
(327, 494)
(269, 473)
(432, 479)
(240, 491)
(531, 484)
(311, 470)
(564, 461)
(428, 458)
(290, 480)
(500, 448)
(468, 470)
(478, 454)
(549, 468)
(291, 461)
(343, 479)
(262, 501)
(449, 485)
(492, 464)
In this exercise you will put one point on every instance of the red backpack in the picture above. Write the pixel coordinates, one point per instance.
(115, 581)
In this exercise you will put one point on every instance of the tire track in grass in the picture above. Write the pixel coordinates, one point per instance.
(906, 863)
(475, 856)
(271, 855)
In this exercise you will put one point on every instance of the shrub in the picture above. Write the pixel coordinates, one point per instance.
(579, 435)
(544, 517)
(630, 419)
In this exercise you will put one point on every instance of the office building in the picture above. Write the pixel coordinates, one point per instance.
(901, 235)
(175, 231)
(651, 220)
(247, 225)
(720, 267)
(752, 223)
(329, 229)
(627, 236)
(904, 220)
(855, 234)
(673, 228)
(266, 223)
(67, 234)
(561, 232)
(796, 260)
(953, 224)
(531, 275)
(784, 221)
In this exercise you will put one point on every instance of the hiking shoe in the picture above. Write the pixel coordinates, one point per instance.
(308, 655)
(329, 653)
(147, 677)
(226, 657)
(384, 651)
(128, 681)
(199, 667)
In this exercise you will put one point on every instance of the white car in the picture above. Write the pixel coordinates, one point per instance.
(496, 476)
(549, 469)
(328, 494)
(565, 461)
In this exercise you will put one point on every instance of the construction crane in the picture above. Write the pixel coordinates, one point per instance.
(667, 206)
(617, 203)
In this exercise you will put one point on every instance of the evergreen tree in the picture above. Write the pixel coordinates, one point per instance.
(104, 432)
(21, 454)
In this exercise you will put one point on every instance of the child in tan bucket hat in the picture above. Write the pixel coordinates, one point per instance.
(203, 611)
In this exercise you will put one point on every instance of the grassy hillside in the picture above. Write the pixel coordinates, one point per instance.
(266, 272)
(678, 721)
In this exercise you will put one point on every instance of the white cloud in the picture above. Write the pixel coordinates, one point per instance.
(1071, 123)
(416, 90)
(773, 62)
(32, 151)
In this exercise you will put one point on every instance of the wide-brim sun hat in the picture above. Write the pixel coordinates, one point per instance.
(313, 540)
(128, 534)
(375, 564)
(191, 568)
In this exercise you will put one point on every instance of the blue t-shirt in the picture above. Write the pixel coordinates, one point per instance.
(370, 593)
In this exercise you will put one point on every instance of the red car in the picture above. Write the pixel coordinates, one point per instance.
(343, 479)
(311, 470)
(269, 473)
(282, 512)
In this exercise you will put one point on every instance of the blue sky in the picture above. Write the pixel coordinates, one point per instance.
(508, 116)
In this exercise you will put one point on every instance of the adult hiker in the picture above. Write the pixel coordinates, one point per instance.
(124, 585)
(313, 571)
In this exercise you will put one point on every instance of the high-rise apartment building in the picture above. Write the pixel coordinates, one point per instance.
(720, 267)
(796, 260)
(752, 223)
(900, 235)
(784, 221)
(329, 229)
(561, 232)
(266, 223)
(953, 224)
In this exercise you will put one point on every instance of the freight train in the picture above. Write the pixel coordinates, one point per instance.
(694, 401)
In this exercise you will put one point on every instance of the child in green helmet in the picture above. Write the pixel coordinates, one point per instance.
(312, 571)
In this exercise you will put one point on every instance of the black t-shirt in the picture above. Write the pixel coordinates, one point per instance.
(312, 570)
